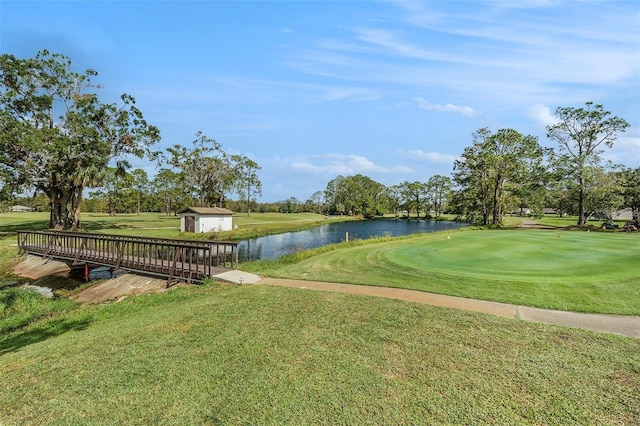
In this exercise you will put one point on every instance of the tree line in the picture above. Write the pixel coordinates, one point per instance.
(60, 141)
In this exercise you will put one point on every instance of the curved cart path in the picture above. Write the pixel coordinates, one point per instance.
(616, 324)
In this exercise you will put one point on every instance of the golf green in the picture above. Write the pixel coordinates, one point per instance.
(525, 255)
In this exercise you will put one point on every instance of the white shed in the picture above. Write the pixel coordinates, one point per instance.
(20, 209)
(205, 219)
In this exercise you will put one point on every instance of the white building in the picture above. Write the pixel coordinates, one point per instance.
(20, 209)
(205, 219)
(625, 214)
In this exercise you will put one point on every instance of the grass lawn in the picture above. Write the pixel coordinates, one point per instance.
(553, 221)
(162, 226)
(575, 271)
(226, 354)
(265, 355)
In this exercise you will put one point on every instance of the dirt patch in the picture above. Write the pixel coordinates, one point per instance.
(35, 267)
(57, 275)
(528, 224)
(120, 288)
(533, 225)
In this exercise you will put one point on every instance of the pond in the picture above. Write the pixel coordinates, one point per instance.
(273, 246)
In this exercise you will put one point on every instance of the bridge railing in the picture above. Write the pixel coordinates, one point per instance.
(190, 260)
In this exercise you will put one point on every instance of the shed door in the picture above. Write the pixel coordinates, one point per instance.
(189, 224)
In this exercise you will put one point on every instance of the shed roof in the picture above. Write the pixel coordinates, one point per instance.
(208, 211)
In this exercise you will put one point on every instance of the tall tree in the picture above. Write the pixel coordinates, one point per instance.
(290, 205)
(356, 194)
(582, 133)
(438, 188)
(140, 184)
(58, 137)
(472, 177)
(247, 183)
(317, 200)
(211, 173)
(414, 194)
(533, 184)
(512, 156)
(336, 195)
(394, 195)
(171, 188)
(490, 172)
(367, 195)
(115, 183)
(604, 193)
(631, 190)
(205, 167)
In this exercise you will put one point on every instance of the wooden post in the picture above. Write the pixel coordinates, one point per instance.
(120, 248)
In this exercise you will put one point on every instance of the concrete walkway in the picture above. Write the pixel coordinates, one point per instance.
(238, 277)
(617, 324)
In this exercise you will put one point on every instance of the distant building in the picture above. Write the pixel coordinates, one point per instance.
(205, 219)
(625, 214)
(20, 209)
(521, 212)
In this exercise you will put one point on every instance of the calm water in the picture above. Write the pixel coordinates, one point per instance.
(274, 246)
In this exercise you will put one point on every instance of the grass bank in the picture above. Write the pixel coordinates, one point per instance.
(250, 354)
(575, 271)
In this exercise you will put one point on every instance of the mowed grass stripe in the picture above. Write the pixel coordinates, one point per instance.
(582, 272)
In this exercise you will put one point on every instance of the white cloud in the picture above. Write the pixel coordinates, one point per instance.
(629, 142)
(387, 40)
(348, 93)
(542, 115)
(523, 4)
(488, 54)
(464, 110)
(340, 164)
(626, 150)
(432, 157)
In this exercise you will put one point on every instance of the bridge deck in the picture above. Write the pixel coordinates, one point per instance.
(177, 260)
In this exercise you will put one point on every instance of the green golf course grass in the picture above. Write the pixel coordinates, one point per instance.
(239, 354)
(526, 256)
(568, 270)
(221, 354)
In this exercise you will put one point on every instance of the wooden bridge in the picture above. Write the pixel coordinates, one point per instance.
(177, 260)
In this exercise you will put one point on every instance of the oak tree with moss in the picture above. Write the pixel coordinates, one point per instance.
(56, 135)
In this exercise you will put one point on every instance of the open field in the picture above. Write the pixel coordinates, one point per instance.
(576, 271)
(162, 226)
(265, 355)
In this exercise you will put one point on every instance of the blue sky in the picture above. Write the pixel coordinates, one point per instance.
(311, 90)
